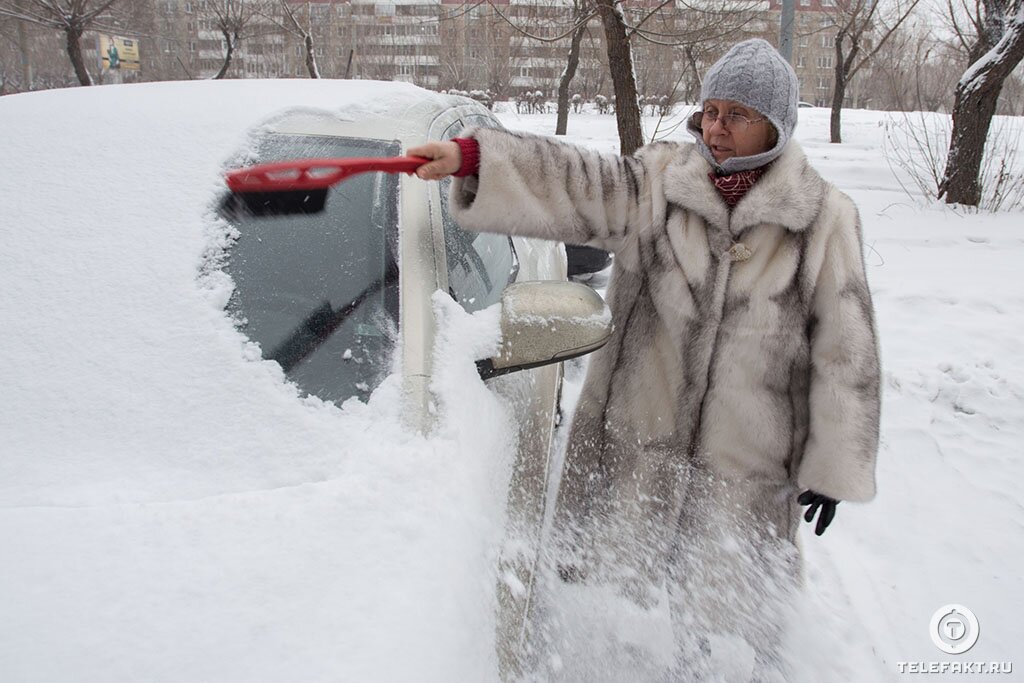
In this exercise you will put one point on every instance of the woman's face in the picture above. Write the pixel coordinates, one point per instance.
(735, 138)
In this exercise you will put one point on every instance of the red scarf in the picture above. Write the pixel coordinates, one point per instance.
(732, 187)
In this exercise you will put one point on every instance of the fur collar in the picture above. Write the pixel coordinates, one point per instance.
(790, 193)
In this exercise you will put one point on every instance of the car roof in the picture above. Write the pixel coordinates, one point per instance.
(110, 220)
(375, 109)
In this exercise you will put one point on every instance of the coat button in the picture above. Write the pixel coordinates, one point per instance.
(739, 252)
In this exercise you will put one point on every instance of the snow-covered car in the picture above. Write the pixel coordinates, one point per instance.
(170, 354)
(322, 291)
(331, 294)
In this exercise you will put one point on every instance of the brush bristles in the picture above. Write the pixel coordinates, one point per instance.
(286, 203)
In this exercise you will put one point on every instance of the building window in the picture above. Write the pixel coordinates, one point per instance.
(801, 61)
(828, 41)
(188, 8)
(825, 62)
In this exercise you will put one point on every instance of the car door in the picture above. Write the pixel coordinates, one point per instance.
(478, 267)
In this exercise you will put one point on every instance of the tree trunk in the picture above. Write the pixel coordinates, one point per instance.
(26, 62)
(227, 57)
(74, 36)
(972, 117)
(562, 122)
(838, 94)
(842, 72)
(693, 87)
(977, 94)
(311, 67)
(620, 66)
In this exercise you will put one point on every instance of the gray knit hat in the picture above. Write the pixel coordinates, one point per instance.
(754, 74)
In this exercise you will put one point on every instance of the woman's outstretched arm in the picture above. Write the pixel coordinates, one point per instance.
(539, 187)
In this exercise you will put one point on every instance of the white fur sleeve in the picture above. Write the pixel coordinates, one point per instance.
(539, 187)
(845, 402)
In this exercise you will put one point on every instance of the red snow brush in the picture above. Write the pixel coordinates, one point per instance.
(301, 185)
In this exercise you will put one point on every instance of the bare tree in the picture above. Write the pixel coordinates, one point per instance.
(996, 40)
(10, 53)
(858, 23)
(499, 50)
(71, 17)
(914, 71)
(235, 20)
(677, 40)
(580, 15)
(663, 27)
(620, 63)
(555, 33)
(620, 67)
(289, 23)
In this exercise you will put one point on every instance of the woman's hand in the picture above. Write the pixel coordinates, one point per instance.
(447, 159)
(816, 500)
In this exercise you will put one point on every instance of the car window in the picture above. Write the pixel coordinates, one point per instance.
(480, 265)
(319, 291)
(480, 120)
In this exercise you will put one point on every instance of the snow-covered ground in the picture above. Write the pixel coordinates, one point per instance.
(170, 510)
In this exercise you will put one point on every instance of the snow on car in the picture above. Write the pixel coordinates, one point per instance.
(260, 446)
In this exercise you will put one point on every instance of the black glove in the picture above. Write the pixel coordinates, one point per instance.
(828, 509)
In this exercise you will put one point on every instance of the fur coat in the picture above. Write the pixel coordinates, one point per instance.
(743, 367)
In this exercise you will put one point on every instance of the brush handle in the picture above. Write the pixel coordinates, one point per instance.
(313, 174)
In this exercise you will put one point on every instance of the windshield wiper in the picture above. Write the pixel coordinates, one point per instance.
(323, 321)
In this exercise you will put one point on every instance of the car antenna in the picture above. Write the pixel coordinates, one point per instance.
(300, 186)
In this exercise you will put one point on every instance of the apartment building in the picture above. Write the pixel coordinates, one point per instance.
(505, 46)
(814, 50)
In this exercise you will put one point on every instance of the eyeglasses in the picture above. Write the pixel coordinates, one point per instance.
(734, 123)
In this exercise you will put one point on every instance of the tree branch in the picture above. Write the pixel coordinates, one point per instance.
(883, 40)
(587, 17)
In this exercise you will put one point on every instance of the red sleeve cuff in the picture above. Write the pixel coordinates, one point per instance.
(470, 157)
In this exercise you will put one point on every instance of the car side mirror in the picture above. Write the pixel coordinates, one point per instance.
(547, 322)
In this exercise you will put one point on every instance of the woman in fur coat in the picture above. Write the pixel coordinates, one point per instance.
(742, 377)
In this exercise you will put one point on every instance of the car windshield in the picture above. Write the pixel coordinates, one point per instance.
(319, 291)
